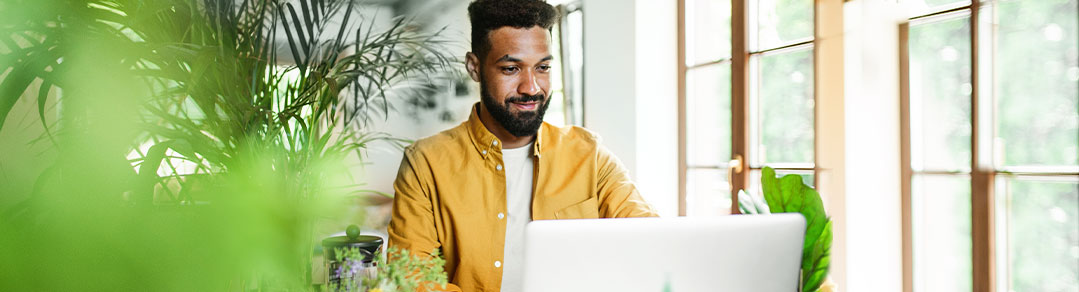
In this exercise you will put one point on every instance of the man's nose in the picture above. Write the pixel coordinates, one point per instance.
(529, 86)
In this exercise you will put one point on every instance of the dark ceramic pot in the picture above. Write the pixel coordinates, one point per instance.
(353, 270)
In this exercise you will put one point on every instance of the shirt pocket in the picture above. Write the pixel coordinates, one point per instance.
(587, 209)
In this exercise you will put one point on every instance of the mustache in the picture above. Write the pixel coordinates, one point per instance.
(525, 98)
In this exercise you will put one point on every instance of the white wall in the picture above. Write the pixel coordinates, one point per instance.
(609, 75)
(630, 64)
(873, 206)
(657, 103)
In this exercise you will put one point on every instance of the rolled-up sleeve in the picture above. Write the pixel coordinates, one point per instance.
(412, 224)
(618, 195)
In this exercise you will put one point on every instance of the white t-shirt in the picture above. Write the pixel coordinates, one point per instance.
(519, 167)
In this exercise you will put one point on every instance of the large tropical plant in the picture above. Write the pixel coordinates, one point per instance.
(166, 105)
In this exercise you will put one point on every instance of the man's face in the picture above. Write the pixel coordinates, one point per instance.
(514, 78)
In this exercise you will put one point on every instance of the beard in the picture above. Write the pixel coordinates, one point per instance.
(520, 123)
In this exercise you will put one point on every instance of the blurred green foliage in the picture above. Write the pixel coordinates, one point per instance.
(405, 273)
(189, 156)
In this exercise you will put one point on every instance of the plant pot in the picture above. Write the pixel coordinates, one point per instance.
(358, 262)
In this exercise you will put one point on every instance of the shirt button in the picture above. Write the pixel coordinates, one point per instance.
(499, 167)
(495, 142)
(484, 152)
(501, 215)
(498, 264)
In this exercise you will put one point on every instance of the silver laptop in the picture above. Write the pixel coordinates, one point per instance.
(730, 253)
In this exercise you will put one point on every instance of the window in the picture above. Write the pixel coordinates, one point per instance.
(567, 82)
(991, 145)
(747, 98)
(707, 107)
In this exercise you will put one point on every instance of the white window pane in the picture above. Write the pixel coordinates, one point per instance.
(940, 91)
(574, 66)
(707, 192)
(708, 115)
(940, 211)
(923, 7)
(1037, 109)
(781, 22)
(708, 31)
(1037, 233)
(556, 112)
(783, 108)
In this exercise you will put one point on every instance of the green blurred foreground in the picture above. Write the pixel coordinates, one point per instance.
(179, 153)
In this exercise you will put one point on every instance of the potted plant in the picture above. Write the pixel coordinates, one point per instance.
(788, 194)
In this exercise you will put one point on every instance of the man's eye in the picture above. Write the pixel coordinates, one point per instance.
(544, 68)
(509, 70)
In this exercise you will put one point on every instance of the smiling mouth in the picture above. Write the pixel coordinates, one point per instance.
(526, 106)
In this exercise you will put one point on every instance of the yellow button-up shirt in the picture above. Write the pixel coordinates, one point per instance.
(451, 188)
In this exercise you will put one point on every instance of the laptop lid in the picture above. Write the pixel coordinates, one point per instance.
(729, 253)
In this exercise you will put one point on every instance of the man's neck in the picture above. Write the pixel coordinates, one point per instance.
(509, 141)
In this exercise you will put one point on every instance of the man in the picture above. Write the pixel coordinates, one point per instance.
(470, 190)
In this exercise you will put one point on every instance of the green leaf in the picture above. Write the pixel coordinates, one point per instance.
(18, 81)
(42, 101)
(750, 204)
(746, 204)
(772, 194)
(789, 194)
(814, 276)
(148, 172)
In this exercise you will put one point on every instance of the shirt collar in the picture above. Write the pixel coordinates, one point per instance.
(486, 142)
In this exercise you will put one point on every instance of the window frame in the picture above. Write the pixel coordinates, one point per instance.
(983, 171)
(744, 146)
(572, 93)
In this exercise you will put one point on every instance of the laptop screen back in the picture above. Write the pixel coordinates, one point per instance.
(730, 253)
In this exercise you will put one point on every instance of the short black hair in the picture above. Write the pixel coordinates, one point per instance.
(488, 15)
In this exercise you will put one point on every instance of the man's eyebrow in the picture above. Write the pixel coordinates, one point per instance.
(507, 58)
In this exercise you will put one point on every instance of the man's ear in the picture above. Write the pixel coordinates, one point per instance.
(472, 64)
